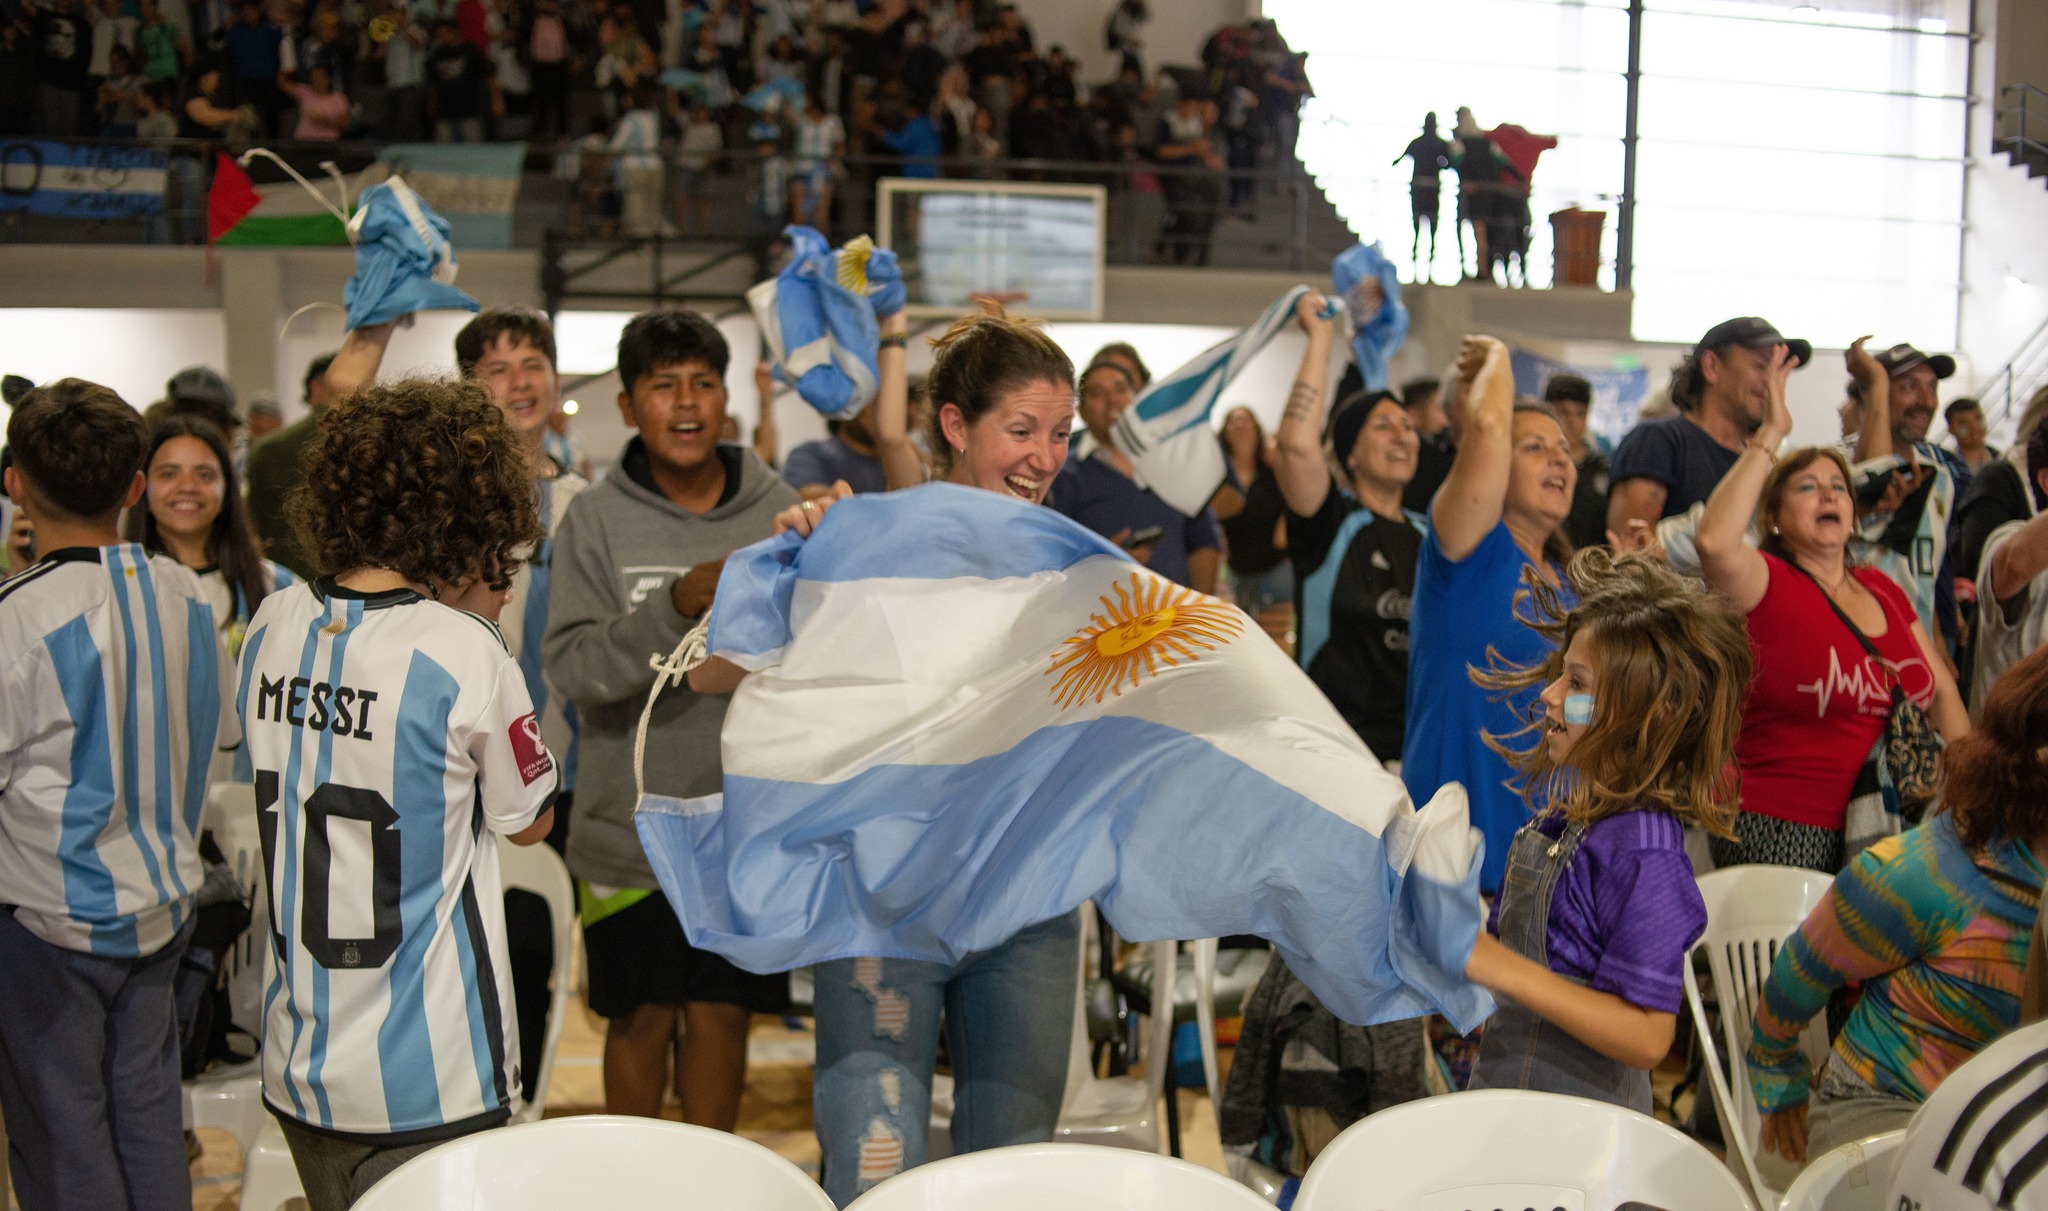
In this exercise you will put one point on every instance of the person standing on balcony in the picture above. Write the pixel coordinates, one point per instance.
(1431, 155)
(64, 52)
(462, 84)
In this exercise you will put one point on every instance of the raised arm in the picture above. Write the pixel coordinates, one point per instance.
(1469, 504)
(355, 363)
(902, 466)
(2015, 562)
(1729, 564)
(1875, 440)
(766, 433)
(1298, 462)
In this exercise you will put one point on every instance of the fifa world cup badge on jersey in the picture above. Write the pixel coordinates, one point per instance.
(527, 748)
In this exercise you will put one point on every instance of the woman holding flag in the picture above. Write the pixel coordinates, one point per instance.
(1004, 395)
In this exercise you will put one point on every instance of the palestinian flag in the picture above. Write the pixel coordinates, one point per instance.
(261, 204)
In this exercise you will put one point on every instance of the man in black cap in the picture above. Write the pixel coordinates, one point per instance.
(1664, 467)
(1907, 486)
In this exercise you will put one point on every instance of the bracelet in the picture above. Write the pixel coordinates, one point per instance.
(895, 340)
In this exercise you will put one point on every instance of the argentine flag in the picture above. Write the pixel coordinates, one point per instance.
(1167, 430)
(968, 714)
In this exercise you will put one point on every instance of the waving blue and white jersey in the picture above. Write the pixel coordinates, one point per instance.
(525, 620)
(390, 737)
(111, 705)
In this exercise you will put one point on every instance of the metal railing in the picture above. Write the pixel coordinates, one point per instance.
(2022, 123)
(1261, 218)
(2004, 395)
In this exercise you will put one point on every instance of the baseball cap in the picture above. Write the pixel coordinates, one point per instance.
(1900, 358)
(1754, 332)
(200, 384)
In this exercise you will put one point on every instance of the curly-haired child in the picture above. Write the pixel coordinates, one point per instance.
(1634, 732)
(392, 734)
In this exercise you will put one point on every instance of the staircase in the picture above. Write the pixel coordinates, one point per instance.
(2023, 128)
(2004, 395)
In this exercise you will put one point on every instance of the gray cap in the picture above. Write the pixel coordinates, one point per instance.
(200, 384)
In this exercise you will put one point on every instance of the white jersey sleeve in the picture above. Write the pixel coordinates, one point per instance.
(516, 775)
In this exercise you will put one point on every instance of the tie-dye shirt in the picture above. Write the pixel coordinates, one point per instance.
(1938, 935)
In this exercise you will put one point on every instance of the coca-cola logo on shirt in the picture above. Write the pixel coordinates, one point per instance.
(1867, 682)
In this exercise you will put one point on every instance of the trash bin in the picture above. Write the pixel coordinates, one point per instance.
(1575, 246)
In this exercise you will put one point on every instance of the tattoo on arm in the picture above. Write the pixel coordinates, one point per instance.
(1302, 401)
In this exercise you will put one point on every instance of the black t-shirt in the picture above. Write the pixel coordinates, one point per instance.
(1587, 523)
(459, 74)
(1249, 536)
(1433, 459)
(1673, 451)
(1431, 155)
(634, 462)
(1352, 621)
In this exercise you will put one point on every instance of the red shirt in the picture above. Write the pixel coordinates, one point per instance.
(473, 23)
(1817, 701)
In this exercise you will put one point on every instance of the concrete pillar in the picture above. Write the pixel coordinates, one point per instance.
(252, 303)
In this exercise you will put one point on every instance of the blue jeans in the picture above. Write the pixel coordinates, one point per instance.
(1009, 1016)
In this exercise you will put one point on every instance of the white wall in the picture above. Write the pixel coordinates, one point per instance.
(1175, 35)
(2005, 258)
(133, 351)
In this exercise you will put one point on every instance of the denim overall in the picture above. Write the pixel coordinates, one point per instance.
(1521, 1050)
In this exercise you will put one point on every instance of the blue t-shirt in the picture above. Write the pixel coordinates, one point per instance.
(829, 460)
(1459, 609)
(1109, 502)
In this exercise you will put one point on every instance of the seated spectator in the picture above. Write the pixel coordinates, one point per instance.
(2012, 589)
(323, 111)
(1933, 924)
(1098, 488)
(462, 88)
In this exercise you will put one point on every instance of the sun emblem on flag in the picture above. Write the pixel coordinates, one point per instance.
(1152, 624)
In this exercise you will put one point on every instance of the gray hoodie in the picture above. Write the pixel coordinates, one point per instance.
(620, 546)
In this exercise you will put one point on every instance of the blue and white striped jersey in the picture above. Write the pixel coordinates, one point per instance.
(231, 608)
(111, 706)
(389, 736)
(525, 619)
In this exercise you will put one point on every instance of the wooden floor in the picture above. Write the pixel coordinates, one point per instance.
(776, 1110)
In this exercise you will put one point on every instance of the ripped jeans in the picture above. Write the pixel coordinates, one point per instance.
(1009, 1015)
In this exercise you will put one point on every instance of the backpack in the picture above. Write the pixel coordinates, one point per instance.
(206, 1031)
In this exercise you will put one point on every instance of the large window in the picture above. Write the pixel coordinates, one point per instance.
(1802, 161)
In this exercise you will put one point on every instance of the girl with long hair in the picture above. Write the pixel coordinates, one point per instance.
(1633, 731)
(193, 512)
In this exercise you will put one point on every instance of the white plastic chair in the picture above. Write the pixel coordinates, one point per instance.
(1066, 1177)
(1854, 1177)
(1750, 911)
(270, 1179)
(230, 1098)
(597, 1160)
(1515, 1148)
(541, 871)
(1118, 1111)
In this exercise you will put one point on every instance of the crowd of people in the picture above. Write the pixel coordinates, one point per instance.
(651, 101)
(420, 613)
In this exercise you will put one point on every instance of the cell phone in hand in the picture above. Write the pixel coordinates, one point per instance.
(1149, 536)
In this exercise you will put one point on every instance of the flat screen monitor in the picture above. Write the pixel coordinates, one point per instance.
(1037, 248)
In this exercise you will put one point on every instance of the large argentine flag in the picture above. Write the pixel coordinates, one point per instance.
(968, 714)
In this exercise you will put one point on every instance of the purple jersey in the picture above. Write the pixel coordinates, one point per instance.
(1627, 910)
